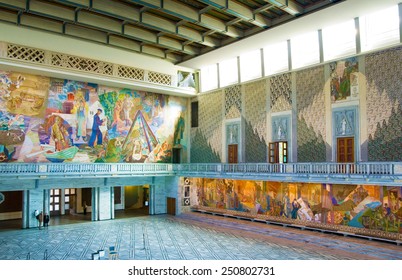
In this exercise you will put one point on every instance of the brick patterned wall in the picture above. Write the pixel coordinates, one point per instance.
(255, 109)
(206, 140)
(233, 102)
(384, 105)
(281, 93)
(310, 115)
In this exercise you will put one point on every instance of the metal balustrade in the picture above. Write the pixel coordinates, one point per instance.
(387, 172)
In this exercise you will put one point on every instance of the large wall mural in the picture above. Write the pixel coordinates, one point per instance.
(62, 120)
(370, 207)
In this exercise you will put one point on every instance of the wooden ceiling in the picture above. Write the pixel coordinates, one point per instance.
(169, 29)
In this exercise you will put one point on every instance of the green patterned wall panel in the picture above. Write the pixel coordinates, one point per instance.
(384, 102)
(233, 102)
(201, 150)
(255, 109)
(281, 93)
(311, 146)
(206, 140)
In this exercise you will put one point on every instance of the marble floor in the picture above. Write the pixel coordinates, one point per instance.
(189, 236)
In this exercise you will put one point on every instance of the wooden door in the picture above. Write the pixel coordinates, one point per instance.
(346, 149)
(232, 153)
(278, 152)
(171, 206)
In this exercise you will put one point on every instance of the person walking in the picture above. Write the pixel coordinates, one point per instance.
(96, 132)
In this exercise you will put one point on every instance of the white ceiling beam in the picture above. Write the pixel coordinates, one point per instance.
(80, 3)
(158, 23)
(288, 6)
(116, 9)
(51, 10)
(124, 43)
(238, 10)
(41, 23)
(85, 33)
(140, 33)
(9, 16)
(189, 14)
(99, 21)
(170, 43)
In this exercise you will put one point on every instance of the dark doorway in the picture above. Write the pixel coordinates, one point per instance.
(136, 202)
(176, 155)
(11, 210)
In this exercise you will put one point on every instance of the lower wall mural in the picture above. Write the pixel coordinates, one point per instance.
(371, 207)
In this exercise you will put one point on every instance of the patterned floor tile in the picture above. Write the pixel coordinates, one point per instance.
(181, 238)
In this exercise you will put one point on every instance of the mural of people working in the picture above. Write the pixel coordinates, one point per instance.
(52, 120)
(370, 207)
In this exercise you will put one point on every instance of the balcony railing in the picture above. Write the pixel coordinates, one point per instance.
(364, 172)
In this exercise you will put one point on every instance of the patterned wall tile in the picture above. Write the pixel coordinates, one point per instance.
(384, 104)
(311, 115)
(281, 93)
(233, 102)
(207, 138)
(255, 107)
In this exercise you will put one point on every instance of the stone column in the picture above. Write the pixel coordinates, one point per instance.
(35, 201)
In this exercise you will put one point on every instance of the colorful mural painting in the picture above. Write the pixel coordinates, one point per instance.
(62, 120)
(344, 79)
(371, 207)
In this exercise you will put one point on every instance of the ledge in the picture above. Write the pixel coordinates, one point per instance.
(369, 234)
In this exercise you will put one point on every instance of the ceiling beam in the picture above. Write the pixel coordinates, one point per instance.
(185, 12)
(287, 6)
(239, 11)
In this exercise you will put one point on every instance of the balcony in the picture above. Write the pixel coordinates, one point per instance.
(369, 173)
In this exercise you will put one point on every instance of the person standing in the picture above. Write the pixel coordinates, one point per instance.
(127, 105)
(40, 219)
(96, 132)
(85, 207)
(296, 207)
(80, 110)
(46, 219)
(59, 134)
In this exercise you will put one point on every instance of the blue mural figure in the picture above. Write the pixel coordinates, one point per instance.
(268, 199)
(96, 133)
(286, 206)
(179, 131)
(296, 207)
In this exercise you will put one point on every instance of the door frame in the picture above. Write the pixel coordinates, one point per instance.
(354, 120)
(226, 139)
(338, 139)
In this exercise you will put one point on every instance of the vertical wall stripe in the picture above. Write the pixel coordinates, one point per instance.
(320, 46)
(357, 36)
(289, 55)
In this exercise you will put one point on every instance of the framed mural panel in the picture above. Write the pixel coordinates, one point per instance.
(55, 120)
(362, 206)
(344, 79)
